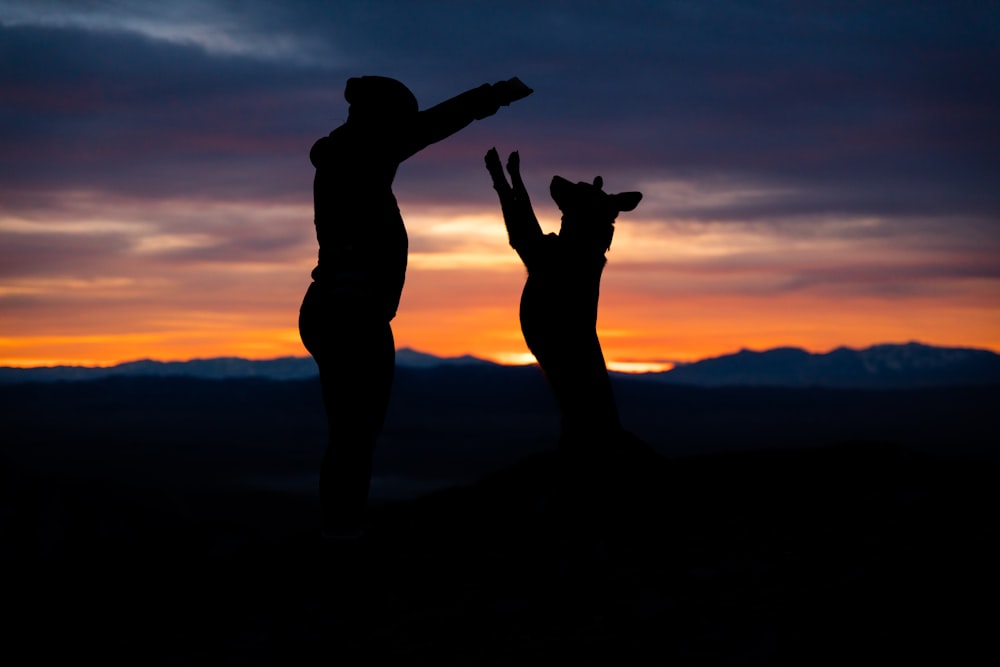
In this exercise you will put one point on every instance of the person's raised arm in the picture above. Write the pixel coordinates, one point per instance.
(445, 119)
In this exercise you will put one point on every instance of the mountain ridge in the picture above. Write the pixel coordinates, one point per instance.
(888, 365)
(880, 366)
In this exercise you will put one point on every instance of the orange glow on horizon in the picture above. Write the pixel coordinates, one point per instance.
(669, 294)
(635, 337)
(639, 366)
(110, 350)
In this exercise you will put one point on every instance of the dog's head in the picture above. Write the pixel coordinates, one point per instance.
(588, 211)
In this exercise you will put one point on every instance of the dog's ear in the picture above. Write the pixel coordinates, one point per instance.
(626, 201)
(562, 192)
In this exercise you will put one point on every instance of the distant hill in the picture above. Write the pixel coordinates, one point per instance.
(221, 368)
(909, 365)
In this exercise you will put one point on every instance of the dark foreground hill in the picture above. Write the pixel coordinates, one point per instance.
(172, 523)
(822, 556)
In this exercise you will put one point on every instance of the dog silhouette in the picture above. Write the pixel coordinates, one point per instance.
(558, 310)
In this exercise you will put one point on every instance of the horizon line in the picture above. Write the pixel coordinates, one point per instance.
(611, 363)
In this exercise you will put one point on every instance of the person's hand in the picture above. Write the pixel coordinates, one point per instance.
(511, 90)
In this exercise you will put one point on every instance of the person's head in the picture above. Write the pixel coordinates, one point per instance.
(379, 99)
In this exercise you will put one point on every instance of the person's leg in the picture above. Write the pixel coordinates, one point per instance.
(356, 388)
(356, 360)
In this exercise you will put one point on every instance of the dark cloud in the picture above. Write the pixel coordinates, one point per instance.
(53, 254)
(121, 113)
(878, 109)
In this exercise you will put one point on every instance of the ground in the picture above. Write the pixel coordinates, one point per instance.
(814, 556)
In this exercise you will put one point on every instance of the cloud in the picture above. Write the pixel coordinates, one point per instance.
(815, 100)
(216, 28)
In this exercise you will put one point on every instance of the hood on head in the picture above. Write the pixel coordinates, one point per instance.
(379, 96)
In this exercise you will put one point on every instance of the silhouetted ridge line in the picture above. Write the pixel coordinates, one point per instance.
(217, 368)
(887, 366)
(880, 366)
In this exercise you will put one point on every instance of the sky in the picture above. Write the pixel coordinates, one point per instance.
(814, 174)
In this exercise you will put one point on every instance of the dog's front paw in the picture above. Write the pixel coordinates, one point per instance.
(513, 163)
(492, 158)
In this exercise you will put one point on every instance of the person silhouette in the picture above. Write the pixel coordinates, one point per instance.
(345, 315)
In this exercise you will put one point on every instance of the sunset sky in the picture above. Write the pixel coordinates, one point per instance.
(815, 174)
